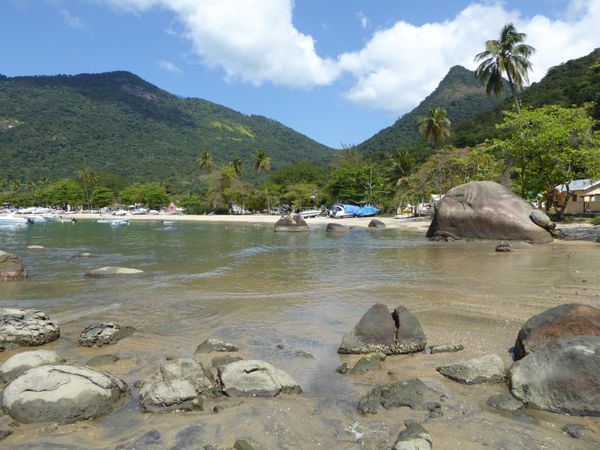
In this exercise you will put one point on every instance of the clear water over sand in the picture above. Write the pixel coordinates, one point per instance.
(257, 289)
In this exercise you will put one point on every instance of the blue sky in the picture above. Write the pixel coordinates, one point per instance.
(335, 70)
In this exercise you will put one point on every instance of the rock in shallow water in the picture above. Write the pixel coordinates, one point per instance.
(112, 271)
(27, 327)
(413, 437)
(253, 378)
(380, 331)
(504, 247)
(504, 402)
(336, 228)
(368, 363)
(11, 267)
(62, 393)
(291, 222)
(412, 393)
(562, 376)
(564, 320)
(106, 333)
(376, 223)
(444, 348)
(21, 362)
(215, 345)
(485, 369)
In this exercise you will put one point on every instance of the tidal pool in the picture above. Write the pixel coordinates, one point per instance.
(259, 290)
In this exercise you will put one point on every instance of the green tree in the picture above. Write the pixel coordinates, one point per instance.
(237, 166)
(102, 196)
(132, 194)
(155, 196)
(261, 162)
(435, 126)
(88, 180)
(205, 160)
(65, 191)
(552, 146)
(508, 56)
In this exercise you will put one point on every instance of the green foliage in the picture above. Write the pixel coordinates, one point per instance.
(435, 126)
(102, 196)
(596, 220)
(299, 172)
(193, 204)
(65, 192)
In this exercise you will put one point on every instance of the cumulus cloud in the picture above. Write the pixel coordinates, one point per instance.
(255, 41)
(71, 20)
(170, 67)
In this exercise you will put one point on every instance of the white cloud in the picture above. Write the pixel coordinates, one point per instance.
(170, 67)
(365, 22)
(255, 41)
(71, 20)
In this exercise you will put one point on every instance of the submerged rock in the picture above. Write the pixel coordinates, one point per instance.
(291, 222)
(336, 228)
(26, 327)
(413, 437)
(561, 376)
(253, 378)
(486, 210)
(21, 362)
(150, 440)
(572, 319)
(11, 267)
(444, 348)
(215, 345)
(576, 431)
(485, 369)
(181, 384)
(102, 360)
(219, 361)
(504, 402)
(62, 393)
(368, 363)
(380, 331)
(112, 271)
(412, 393)
(83, 255)
(34, 248)
(376, 223)
(101, 334)
(504, 247)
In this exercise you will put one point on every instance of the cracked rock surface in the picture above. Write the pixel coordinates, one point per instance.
(21, 362)
(26, 327)
(62, 393)
(254, 378)
(100, 334)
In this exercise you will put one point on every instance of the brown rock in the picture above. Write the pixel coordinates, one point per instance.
(11, 267)
(291, 222)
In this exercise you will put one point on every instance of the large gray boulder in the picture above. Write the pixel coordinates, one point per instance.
(541, 219)
(181, 384)
(11, 267)
(21, 362)
(62, 393)
(105, 333)
(486, 210)
(376, 223)
(253, 378)
(571, 319)
(485, 369)
(112, 271)
(291, 222)
(562, 376)
(26, 327)
(380, 331)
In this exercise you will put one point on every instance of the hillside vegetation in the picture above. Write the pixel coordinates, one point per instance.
(52, 126)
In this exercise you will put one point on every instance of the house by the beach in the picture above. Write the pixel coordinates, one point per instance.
(585, 196)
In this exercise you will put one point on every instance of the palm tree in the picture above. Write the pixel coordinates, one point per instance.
(205, 160)
(505, 56)
(435, 126)
(261, 161)
(237, 166)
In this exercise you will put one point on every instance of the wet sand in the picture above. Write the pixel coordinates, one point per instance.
(305, 292)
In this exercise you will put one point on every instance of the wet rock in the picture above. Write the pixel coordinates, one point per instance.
(5, 434)
(253, 378)
(21, 362)
(291, 222)
(280, 346)
(243, 444)
(368, 363)
(35, 248)
(190, 437)
(83, 255)
(25, 327)
(504, 247)
(11, 267)
(486, 210)
(376, 223)
(336, 228)
(224, 360)
(102, 360)
(576, 431)
(444, 348)
(106, 333)
(571, 319)
(181, 384)
(380, 331)
(412, 393)
(413, 437)
(62, 393)
(504, 402)
(541, 219)
(303, 354)
(215, 345)
(112, 271)
(151, 439)
(447, 236)
(485, 369)
(343, 368)
(561, 376)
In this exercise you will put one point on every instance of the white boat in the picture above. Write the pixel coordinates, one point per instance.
(119, 223)
(104, 221)
(11, 219)
(37, 219)
(310, 213)
(168, 222)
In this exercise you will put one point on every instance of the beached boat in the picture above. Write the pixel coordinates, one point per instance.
(310, 213)
(10, 219)
(341, 211)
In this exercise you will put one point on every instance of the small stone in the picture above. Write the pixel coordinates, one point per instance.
(102, 360)
(343, 369)
(243, 444)
(253, 378)
(215, 345)
(5, 433)
(485, 369)
(151, 439)
(26, 327)
(280, 346)
(444, 348)
(413, 437)
(106, 333)
(303, 354)
(83, 255)
(504, 246)
(368, 363)
(576, 431)
(504, 402)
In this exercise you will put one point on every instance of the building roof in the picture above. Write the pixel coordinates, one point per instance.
(578, 185)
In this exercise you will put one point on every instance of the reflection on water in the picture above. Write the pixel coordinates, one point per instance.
(258, 289)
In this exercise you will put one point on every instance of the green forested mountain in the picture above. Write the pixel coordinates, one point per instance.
(573, 83)
(459, 93)
(52, 126)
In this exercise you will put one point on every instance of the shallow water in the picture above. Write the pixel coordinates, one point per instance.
(256, 288)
